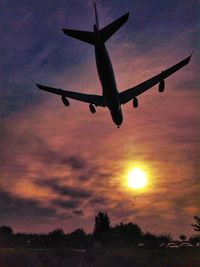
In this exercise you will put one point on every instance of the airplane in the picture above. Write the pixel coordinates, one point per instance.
(110, 97)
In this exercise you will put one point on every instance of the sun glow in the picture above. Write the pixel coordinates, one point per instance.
(136, 178)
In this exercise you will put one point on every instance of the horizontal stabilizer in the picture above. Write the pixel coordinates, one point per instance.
(84, 36)
(111, 28)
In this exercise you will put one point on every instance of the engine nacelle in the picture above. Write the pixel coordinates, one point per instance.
(161, 86)
(135, 102)
(65, 101)
(92, 108)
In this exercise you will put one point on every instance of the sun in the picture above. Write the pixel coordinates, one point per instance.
(136, 178)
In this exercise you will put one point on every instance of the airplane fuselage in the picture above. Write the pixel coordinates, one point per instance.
(107, 79)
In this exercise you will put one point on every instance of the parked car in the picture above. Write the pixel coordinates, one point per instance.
(163, 245)
(141, 245)
(185, 245)
(172, 245)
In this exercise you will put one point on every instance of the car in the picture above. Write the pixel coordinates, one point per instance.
(172, 245)
(163, 245)
(185, 245)
(141, 245)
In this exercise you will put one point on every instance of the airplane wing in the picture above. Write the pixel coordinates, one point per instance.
(131, 93)
(91, 99)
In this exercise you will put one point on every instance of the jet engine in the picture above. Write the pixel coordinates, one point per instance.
(65, 101)
(161, 86)
(92, 108)
(135, 102)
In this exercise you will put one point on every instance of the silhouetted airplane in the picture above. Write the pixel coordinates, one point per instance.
(110, 98)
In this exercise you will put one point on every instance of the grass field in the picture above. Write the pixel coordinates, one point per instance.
(127, 257)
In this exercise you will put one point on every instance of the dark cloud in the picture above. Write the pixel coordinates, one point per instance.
(42, 152)
(75, 162)
(49, 156)
(98, 201)
(78, 212)
(65, 190)
(67, 204)
(84, 177)
(20, 209)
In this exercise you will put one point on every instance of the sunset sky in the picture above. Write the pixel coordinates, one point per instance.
(59, 166)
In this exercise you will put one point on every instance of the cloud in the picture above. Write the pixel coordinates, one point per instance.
(78, 212)
(98, 200)
(50, 156)
(65, 190)
(67, 204)
(76, 162)
(15, 210)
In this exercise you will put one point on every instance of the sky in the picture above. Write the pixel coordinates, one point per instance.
(60, 166)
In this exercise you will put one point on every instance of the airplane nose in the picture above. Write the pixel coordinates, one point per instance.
(119, 120)
(117, 117)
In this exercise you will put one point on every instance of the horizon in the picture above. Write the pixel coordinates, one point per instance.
(59, 165)
(175, 237)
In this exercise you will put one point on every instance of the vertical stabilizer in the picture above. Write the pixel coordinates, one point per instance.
(96, 16)
(106, 32)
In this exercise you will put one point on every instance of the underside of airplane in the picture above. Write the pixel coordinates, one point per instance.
(110, 98)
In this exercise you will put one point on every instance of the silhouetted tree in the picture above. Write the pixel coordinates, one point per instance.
(78, 233)
(194, 239)
(150, 240)
(56, 238)
(6, 234)
(165, 238)
(102, 223)
(102, 227)
(6, 231)
(196, 226)
(77, 239)
(127, 233)
(182, 237)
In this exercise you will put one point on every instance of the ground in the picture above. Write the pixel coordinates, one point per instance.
(126, 257)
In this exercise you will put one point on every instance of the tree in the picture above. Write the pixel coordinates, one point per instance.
(6, 231)
(164, 238)
(150, 240)
(56, 238)
(127, 233)
(194, 239)
(6, 234)
(102, 223)
(78, 233)
(182, 237)
(77, 238)
(196, 226)
(102, 227)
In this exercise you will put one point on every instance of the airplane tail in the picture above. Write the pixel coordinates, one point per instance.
(105, 33)
(111, 28)
(96, 16)
(84, 36)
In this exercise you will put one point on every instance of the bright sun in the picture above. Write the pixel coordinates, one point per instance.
(136, 178)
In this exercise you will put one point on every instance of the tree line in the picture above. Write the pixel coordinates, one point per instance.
(123, 234)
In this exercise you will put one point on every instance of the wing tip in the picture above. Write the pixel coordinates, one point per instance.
(64, 30)
(38, 85)
(126, 16)
(188, 58)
